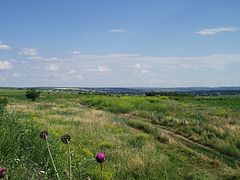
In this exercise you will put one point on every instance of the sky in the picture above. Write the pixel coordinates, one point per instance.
(119, 43)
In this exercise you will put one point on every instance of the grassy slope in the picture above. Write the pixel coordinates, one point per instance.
(131, 154)
(211, 121)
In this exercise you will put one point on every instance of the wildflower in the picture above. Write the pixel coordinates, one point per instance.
(44, 135)
(3, 172)
(66, 138)
(100, 157)
(17, 160)
(42, 172)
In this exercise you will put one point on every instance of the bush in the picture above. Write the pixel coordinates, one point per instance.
(32, 94)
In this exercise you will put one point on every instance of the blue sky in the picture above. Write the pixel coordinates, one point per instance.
(156, 43)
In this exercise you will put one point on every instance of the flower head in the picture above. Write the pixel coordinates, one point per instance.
(44, 135)
(100, 157)
(66, 138)
(42, 172)
(3, 172)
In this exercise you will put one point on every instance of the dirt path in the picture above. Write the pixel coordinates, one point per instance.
(196, 146)
(208, 151)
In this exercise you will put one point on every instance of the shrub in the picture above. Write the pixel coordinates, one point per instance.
(32, 94)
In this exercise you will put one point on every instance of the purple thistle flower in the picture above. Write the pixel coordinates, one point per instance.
(100, 157)
(3, 172)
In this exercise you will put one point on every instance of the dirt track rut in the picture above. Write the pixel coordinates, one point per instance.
(196, 146)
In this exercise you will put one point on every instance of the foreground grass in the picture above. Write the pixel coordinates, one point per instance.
(21, 150)
(132, 153)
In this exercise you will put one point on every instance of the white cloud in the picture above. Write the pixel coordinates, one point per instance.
(128, 70)
(52, 67)
(76, 52)
(4, 46)
(102, 69)
(144, 71)
(2, 78)
(4, 65)
(106, 57)
(19, 75)
(117, 30)
(79, 77)
(35, 57)
(28, 52)
(141, 68)
(42, 58)
(52, 58)
(35, 67)
(72, 71)
(214, 62)
(213, 31)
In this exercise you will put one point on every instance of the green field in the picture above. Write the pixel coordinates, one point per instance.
(144, 137)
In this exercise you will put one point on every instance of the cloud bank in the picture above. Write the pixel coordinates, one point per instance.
(117, 30)
(4, 46)
(213, 31)
(5, 65)
(114, 70)
(28, 52)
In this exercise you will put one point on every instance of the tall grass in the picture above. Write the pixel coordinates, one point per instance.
(3, 104)
(21, 149)
(213, 121)
(134, 149)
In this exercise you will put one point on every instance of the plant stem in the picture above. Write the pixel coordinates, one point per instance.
(69, 161)
(101, 171)
(50, 154)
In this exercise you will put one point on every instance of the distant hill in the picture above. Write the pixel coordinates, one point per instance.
(144, 90)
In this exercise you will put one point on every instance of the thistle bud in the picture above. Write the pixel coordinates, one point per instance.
(44, 135)
(66, 138)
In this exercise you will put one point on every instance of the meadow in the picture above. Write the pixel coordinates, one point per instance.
(143, 137)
